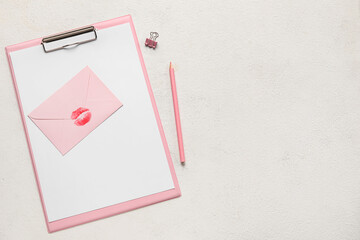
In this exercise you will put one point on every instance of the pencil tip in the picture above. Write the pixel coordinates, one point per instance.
(170, 65)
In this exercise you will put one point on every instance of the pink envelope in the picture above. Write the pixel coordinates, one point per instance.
(75, 110)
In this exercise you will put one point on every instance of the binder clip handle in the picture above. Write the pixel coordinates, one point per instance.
(154, 36)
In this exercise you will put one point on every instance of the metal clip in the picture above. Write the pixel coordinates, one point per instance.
(151, 43)
(69, 39)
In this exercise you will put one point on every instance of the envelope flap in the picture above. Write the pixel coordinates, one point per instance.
(98, 92)
(64, 101)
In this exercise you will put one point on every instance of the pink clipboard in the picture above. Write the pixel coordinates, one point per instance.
(120, 207)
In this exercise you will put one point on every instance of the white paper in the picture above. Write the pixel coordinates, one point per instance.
(123, 158)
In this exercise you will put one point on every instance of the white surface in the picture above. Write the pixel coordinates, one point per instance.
(270, 105)
(123, 158)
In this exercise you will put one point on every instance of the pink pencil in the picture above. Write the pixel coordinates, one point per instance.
(177, 114)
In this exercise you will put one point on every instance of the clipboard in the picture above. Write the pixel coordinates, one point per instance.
(125, 163)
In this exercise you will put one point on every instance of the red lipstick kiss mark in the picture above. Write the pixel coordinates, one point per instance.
(81, 116)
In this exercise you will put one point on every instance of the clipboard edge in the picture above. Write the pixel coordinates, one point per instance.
(112, 210)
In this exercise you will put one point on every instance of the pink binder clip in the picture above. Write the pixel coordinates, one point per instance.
(150, 42)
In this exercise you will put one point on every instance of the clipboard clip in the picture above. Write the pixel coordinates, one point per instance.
(69, 39)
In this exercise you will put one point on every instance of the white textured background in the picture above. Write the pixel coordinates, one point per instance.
(269, 93)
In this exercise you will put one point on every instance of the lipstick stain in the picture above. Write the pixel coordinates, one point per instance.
(81, 116)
